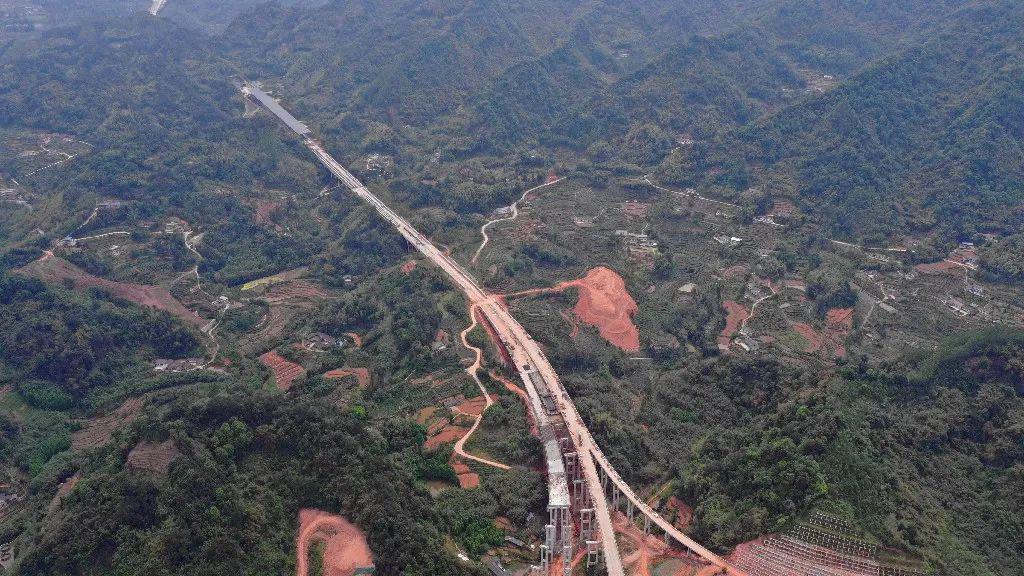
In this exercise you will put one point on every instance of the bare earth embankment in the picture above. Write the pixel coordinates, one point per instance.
(345, 551)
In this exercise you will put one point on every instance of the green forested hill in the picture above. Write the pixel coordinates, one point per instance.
(928, 139)
(698, 88)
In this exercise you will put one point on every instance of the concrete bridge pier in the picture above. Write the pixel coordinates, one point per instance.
(629, 509)
(647, 524)
(593, 553)
(586, 524)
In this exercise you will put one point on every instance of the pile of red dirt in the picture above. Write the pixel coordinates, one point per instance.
(153, 456)
(97, 431)
(605, 304)
(58, 270)
(362, 375)
(356, 339)
(346, 549)
(285, 371)
(552, 176)
(408, 267)
(736, 313)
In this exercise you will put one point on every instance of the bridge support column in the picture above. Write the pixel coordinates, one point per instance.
(647, 524)
(593, 552)
(629, 509)
(572, 471)
(545, 558)
(615, 497)
(586, 524)
(567, 560)
(666, 538)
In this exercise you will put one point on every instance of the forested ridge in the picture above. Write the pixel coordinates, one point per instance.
(927, 140)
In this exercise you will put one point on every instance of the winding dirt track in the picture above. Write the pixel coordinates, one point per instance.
(472, 371)
(515, 214)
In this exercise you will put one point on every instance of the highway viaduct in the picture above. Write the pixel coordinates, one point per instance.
(597, 488)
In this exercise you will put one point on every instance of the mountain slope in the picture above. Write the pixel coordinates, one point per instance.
(929, 139)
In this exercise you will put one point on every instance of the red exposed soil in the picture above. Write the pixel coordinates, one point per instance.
(356, 339)
(59, 270)
(815, 341)
(685, 513)
(97, 431)
(285, 371)
(839, 324)
(408, 267)
(346, 548)
(467, 478)
(361, 374)
(647, 549)
(943, 267)
(736, 313)
(449, 433)
(153, 456)
(474, 406)
(552, 176)
(605, 304)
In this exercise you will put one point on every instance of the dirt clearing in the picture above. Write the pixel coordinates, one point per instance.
(154, 457)
(56, 270)
(97, 431)
(346, 549)
(285, 371)
(736, 313)
(362, 375)
(605, 304)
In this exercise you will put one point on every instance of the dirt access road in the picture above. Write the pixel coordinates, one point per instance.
(473, 370)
